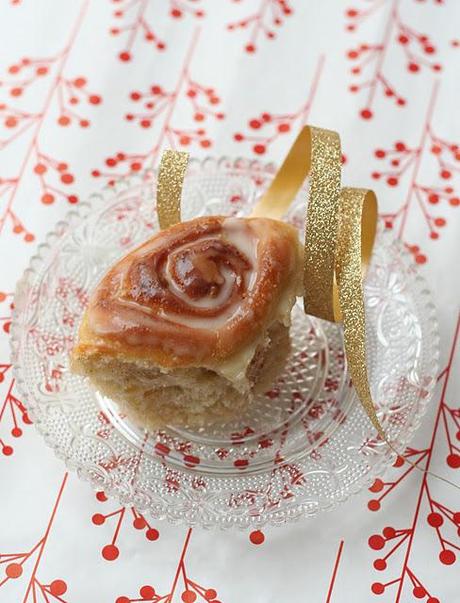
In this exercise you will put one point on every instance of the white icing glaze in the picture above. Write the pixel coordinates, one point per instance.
(129, 314)
(238, 234)
(234, 368)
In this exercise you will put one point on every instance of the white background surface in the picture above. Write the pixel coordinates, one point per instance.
(296, 562)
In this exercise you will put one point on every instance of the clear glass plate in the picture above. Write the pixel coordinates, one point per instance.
(304, 446)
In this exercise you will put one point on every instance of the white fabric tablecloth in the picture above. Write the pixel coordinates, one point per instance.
(245, 74)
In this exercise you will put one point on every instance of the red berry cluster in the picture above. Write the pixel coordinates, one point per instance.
(72, 92)
(7, 186)
(416, 47)
(178, 8)
(439, 516)
(110, 551)
(156, 101)
(46, 165)
(190, 594)
(134, 163)
(148, 594)
(415, 251)
(277, 124)
(138, 26)
(25, 73)
(11, 408)
(14, 566)
(385, 488)
(202, 99)
(189, 589)
(399, 159)
(270, 16)
(397, 538)
(447, 156)
(135, 166)
(12, 117)
(355, 16)
(363, 55)
(66, 92)
(436, 195)
(14, 569)
(135, 10)
(451, 418)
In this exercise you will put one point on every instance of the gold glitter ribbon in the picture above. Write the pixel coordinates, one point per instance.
(171, 175)
(339, 236)
(358, 221)
(315, 152)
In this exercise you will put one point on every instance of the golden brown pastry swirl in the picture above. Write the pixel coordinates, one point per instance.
(197, 276)
(196, 293)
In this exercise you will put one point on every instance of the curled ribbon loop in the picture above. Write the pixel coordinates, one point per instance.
(358, 220)
(171, 175)
(339, 236)
(315, 152)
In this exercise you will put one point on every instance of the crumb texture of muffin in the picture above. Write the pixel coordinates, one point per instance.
(186, 328)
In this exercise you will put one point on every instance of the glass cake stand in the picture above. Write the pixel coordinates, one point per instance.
(303, 446)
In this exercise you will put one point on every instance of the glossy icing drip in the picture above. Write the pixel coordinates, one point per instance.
(185, 292)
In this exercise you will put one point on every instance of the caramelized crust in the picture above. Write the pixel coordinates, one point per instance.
(197, 294)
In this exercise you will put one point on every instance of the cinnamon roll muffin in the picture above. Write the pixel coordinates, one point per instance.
(188, 326)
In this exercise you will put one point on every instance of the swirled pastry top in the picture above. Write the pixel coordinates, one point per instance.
(196, 294)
